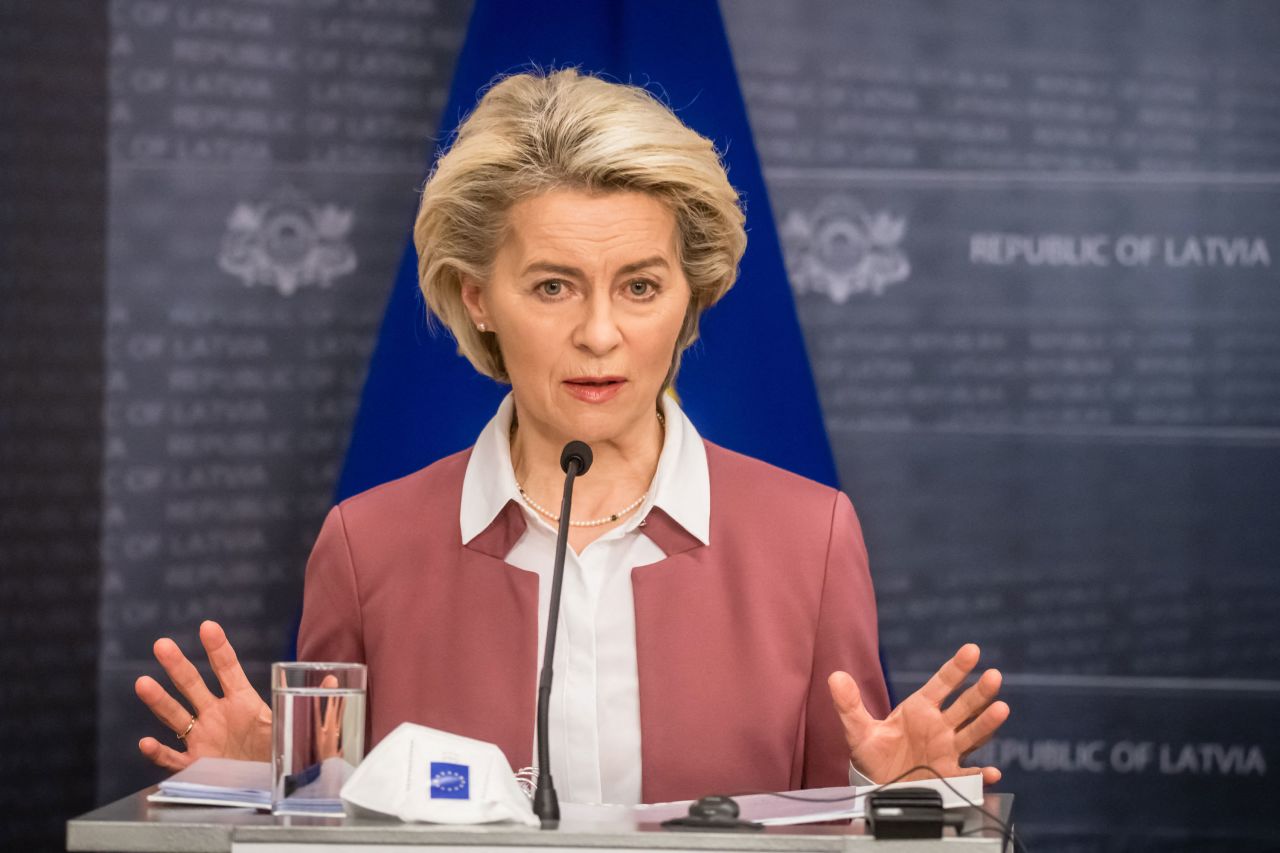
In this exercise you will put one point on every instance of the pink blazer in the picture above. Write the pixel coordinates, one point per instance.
(734, 640)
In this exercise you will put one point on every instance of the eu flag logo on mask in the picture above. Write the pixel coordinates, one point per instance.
(450, 781)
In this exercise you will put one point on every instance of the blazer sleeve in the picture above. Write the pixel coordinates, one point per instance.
(332, 628)
(847, 639)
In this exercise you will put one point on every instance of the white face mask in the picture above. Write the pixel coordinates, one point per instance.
(425, 775)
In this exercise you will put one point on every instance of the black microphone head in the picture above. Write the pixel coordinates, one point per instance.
(576, 450)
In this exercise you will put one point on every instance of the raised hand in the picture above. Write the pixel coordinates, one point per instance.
(920, 731)
(234, 725)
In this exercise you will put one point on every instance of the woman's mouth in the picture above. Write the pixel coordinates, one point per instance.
(594, 389)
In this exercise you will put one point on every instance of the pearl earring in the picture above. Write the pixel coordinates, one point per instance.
(482, 327)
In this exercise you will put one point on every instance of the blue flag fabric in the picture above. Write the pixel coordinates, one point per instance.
(746, 384)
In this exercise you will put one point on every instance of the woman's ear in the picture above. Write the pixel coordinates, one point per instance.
(473, 299)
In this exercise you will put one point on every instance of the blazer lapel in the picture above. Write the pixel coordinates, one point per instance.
(665, 745)
(667, 533)
(506, 717)
(501, 535)
(503, 662)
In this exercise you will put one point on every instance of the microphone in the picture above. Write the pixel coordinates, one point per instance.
(579, 452)
(575, 460)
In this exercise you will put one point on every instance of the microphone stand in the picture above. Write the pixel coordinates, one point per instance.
(575, 460)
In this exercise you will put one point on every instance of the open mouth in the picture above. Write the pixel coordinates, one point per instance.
(594, 389)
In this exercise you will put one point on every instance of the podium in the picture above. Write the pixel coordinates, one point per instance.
(132, 825)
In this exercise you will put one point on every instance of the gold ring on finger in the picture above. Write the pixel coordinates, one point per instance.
(191, 725)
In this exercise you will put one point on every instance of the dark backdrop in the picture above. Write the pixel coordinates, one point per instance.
(53, 68)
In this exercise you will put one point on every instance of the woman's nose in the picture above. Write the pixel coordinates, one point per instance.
(597, 329)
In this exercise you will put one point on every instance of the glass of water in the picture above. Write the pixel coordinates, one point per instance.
(317, 734)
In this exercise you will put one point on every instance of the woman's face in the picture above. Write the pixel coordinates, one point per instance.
(587, 298)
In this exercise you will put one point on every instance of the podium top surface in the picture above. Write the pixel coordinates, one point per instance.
(132, 825)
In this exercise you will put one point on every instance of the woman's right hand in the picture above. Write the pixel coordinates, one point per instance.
(235, 725)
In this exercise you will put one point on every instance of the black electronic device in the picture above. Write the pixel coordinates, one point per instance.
(713, 812)
(905, 813)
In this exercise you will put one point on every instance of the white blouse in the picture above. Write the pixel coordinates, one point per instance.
(595, 698)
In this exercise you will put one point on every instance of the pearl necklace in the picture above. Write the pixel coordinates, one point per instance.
(595, 522)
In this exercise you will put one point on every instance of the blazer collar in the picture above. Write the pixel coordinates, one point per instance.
(668, 534)
(501, 535)
(508, 526)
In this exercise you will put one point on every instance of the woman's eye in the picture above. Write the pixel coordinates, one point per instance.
(640, 288)
(551, 288)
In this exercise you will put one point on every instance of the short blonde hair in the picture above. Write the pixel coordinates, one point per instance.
(534, 132)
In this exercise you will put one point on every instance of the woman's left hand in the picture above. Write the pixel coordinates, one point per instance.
(920, 731)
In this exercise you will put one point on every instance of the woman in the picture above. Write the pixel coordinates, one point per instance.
(718, 629)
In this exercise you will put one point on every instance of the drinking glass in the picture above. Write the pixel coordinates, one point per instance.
(317, 734)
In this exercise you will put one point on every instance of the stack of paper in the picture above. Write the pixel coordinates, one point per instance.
(218, 782)
(226, 782)
(815, 805)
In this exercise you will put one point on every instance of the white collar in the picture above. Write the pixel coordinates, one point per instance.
(681, 486)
